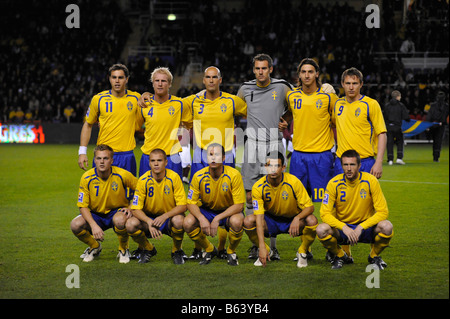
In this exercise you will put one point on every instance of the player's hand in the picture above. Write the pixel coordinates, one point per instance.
(263, 255)
(351, 234)
(213, 227)
(294, 229)
(97, 232)
(155, 232)
(205, 226)
(282, 124)
(159, 221)
(145, 100)
(83, 161)
(328, 88)
(126, 211)
(377, 170)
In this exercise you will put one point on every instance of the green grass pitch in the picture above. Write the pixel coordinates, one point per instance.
(38, 193)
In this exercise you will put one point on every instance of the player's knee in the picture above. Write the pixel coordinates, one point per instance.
(177, 221)
(323, 230)
(385, 227)
(119, 220)
(77, 224)
(249, 221)
(132, 225)
(311, 220)
(189, 223)
(236, 222)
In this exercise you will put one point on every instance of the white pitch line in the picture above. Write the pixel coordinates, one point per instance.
(410, 182)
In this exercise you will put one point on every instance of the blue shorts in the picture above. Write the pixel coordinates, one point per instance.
(366, 165)
(199, 160)
(104, 221)
(277, 225)
(125, 160)
(314, 170)
(210, 214)
(367, 235)
(173, 163)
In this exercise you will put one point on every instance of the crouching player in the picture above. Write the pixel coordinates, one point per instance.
(216, 198)
(158, 208)
(281, 204)
(354, 210)
(103, 204)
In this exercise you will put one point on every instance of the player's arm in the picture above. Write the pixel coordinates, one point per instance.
(263, 253)
(327, 209)
(230, 211)
(177, 210)
(142, 216)
(294, 229)
(96, 230)
(377, 168)
(379, 205)
(85, 136)
(145, 100)
(204, 223)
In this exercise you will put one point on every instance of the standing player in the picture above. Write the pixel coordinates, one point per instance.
(158, 208)
(103, 204)
(280, 205)
(116, 111)
(354, 210)
(162, 120)
(216, 198)
(313, 138)
(359, 125)
(266, 103)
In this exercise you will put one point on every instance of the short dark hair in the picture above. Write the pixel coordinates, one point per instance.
(351, 153)
(352, 72)
(395, 94)
(160, 151)
(310, 62)
(217, 145)
(119, 66)
(262, 57)
(275, 155)
(103, 147)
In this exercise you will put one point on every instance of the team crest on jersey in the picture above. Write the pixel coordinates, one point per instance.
(274, 95)
(129, 106)
(114, 186)
(171, 110)
(319, 104)
(255, 205)
(285, 195)
(80, 197)
(363, 194)
(357, 112)
(223, 108)
(166, 190)
(224, 186)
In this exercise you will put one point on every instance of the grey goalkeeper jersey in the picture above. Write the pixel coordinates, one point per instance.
(265, 106)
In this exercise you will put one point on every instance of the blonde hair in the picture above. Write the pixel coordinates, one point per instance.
(162, 70)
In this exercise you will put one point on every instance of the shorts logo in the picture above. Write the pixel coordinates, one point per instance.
(135, 200)
(255, 205)
(80, 197)
(114, 186)
(191, 192)
(325, 199)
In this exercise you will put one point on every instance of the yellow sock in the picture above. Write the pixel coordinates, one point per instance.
(235, 239)
(199, 237)
(347, 250)
(87, 238)
(309, 234)
(381, 242)
(222, 232)
(330, 243)
(253, 236)
(177, 237)
(123, 238)
(141, 240)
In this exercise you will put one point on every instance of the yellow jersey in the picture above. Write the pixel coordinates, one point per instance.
(156, 198)
(287, 199)
(312, 120)
(162, 121)
(358, 125)
(213, 120)
(358, 202)
(217, 195)
(117, 119)
(103, 196)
